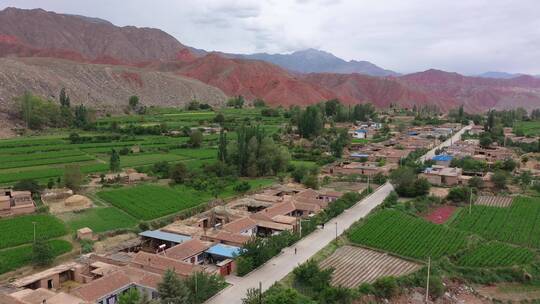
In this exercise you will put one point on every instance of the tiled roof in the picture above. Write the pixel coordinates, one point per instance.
(187, 249)
(99, 288)
(230, 237)
(240, 225)
(159, 264)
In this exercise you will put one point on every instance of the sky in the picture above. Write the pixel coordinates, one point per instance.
(464, 36)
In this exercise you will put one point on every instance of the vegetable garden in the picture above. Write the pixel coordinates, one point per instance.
(20, 230)
(496, 254)
(516, 224)
(407, 236)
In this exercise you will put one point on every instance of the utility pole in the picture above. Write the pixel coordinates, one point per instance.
(427, 282)
(336, 231)
(260, 292)
(470, 201)
(34, 223)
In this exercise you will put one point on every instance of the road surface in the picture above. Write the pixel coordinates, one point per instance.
(279, 266)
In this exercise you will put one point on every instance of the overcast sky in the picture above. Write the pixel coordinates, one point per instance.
(466, 36)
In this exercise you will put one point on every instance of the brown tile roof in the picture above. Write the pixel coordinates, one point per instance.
(101, 287)
(159, 264)
(187, 249)
(233, 238)
(240, 225)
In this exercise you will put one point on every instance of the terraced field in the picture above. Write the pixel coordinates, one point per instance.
(519, 224)
(355, 265)
(408, 236)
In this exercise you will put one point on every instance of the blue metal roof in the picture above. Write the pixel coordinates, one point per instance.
(412, 133)
(442, 157)
(224, 250)
(359, 155)
(165, 236)
(361, 131)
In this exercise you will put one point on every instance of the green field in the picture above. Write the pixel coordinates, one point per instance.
(13, 258)
(496, 254)
(407, 236)
(531, 128)
(517, 224)
(148, 202)
(20, 230)
(101, 219)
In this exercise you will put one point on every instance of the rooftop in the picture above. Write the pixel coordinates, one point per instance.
(165, 236)
(225, 250)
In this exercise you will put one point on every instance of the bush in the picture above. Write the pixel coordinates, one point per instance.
(459, 194)
(242, 187)
(244, 265)
(87, 246)
(386, 287)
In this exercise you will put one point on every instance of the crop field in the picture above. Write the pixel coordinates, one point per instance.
(148, 202)
(13, 258)
(354, 266)
(20, 230)
(407, 236)
(494, 201)
(100, 219)
(518, 224)
(496, 254)
(528, 127)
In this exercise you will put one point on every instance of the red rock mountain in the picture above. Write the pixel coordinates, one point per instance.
(99, 44)
(90, 37)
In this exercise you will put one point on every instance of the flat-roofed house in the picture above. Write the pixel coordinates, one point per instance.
(442, 176)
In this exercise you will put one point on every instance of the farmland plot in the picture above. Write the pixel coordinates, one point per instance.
(404, 235)
(13, 258)
(354, 266)
(148, 201)
(20, 230)
(519, 224)
(494, 201)
(496, 254)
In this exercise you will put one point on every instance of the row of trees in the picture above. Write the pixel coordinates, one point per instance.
(38, 113)
(253, 153)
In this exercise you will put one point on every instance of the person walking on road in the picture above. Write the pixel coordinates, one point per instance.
(295, 250)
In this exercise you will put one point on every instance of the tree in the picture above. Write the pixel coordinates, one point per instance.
(459, 194)
(74, 138)
(485, 140)
(42, 254)
(179, 173)
(203, 286)
(476, 182)
(259, 103)
(222, 146)
(133, 102)
(525, 179)
(243, 186)
(499, 179)
(131, 296)
(64, 98)
(172, 290)
(244, 265)
(310, 122)
(386, 287)
(311, 181)
(219, 118)
(28, 185)
(253, 296)
(73, 176)
(196, 138)
(114, 162)
(236, 102)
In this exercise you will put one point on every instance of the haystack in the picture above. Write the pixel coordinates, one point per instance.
(77, 201)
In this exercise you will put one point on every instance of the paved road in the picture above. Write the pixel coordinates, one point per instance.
(448, 142)
(278, 267)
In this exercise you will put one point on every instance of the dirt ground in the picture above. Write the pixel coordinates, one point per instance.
(108, 243)
(60, 206)
(439, 192)
(510, 292)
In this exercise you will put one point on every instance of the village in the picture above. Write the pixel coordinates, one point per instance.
(212, 241)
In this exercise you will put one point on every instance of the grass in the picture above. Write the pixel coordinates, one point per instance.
(407, 236)
(20, 230)
(13, 258)
(516, 224)
(101, 220)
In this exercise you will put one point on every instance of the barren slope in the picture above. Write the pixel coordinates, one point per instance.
(102, 86)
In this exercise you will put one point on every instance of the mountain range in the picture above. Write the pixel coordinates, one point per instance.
(102, 64)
